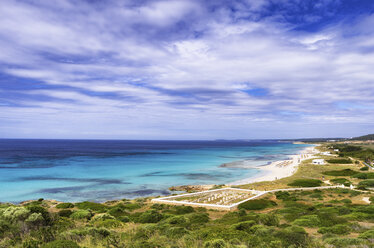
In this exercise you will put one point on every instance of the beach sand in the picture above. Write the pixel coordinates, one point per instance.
(279, 169)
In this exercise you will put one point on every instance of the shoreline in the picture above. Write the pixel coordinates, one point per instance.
(278, 169)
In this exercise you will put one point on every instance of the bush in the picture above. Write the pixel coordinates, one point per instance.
(61, 244)
(282, 195)
(258, 204)
(306, 183)
(244, 226)
(269, 219)
(81, 214)
(367, 183)
(337, 229)
(217, 243)
(369, 175)
(293, 236)
(97, 207)
(184, 209)
(118, 211)
(177, 220)
(132, 206)
(151, 216)
(365, 168)
(198, 218)
(367, 235)
(108, 223)
(344, 242)
(308, 221)
(340, 173)
(65, 213)
(176, 232)
(341, 181)
(346, 201)
(65, 205)
(339, 161)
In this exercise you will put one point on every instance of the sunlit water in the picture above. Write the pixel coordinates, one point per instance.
(77, 170)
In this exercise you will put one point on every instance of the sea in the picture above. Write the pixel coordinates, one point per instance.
(102, 170)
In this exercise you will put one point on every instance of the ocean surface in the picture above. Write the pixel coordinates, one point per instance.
(100, 170)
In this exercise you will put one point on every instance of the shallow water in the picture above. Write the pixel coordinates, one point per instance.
(99, 170)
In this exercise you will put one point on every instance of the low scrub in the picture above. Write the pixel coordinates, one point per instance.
(340, 173)
(369, 175)
(257, 204)
(339, 161)
(337, 229)
(306, 183)
(65, 205)
(367, 183)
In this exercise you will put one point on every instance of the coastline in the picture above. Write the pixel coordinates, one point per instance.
(279, 169)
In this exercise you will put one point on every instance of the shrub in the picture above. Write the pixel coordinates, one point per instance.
(339, 161)
(61, 244)
(307, 221)
(367, 235)
(198, 218)
(346, 201)
(108, 223)
(65, 205)
(177, 220)
(369, 175)
(31, 244)
(176, 232)
(217, 243)
(293, 236)
(337, 229)
(365, 168)
(103, 216)
(118, 211)
(367, 183)
(258, 204)
(269, 219)
(81, 214)
(184, 209)
(306, 183)
(282, 195)
(344, 242)
(132, 206)
(65, 213)
(341, 181)
(151, 216)
(97, 207)
(340, 173)
(35, 219)
(244, 226)
(15, 213)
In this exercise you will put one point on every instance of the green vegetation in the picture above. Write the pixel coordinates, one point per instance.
(306, 183)
(311, 218)
(341, 173)
(257, 204)
(65, 205)
(367, 183)
(369, 175)
(339, 161)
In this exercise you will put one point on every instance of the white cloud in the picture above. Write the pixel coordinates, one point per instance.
(162, 77)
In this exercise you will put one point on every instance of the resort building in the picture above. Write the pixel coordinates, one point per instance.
(318, 161)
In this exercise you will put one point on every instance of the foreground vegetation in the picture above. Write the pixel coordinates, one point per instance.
(312, 218)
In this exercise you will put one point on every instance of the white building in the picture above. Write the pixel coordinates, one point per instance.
(318, 161)
(326, 153)
(336, 150)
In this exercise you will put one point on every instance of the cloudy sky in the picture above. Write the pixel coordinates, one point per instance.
(186, 69)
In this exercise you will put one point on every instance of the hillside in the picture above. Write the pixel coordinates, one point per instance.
(365, 137)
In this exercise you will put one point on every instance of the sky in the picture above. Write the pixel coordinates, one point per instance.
(186, 69)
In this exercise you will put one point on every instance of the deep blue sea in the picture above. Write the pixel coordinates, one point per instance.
(100, 170)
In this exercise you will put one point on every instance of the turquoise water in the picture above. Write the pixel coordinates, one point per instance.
(106, 170)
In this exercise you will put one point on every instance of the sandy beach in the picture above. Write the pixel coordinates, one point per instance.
(279, 169)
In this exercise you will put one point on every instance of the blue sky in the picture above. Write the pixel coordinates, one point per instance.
(186, 69)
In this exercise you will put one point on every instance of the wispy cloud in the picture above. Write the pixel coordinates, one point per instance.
(185, 69)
